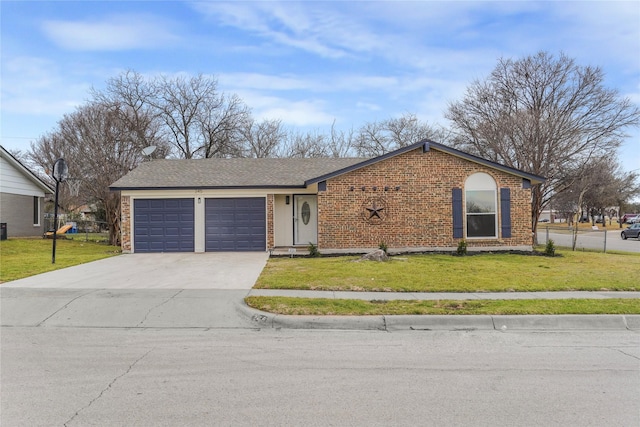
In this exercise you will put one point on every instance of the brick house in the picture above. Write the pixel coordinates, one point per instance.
(423, 197)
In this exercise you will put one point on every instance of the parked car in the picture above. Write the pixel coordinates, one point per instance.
(625, 217)
(633, 231)
(632, 219)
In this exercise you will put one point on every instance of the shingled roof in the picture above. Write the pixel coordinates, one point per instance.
(230, 173)
(271, 173)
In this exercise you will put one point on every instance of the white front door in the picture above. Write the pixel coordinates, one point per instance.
(305, 219)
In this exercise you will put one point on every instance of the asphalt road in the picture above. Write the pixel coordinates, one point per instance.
(592, 240)
(54, 376)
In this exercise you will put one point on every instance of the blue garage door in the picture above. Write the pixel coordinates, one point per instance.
(235, 224)
(163, 225)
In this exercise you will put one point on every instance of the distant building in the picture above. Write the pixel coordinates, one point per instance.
(22, 196)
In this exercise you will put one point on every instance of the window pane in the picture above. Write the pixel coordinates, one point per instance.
(36, 210)
(481, 201)
(481, 225)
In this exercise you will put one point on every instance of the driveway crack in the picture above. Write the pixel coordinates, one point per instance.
(157, 306)
(107, 388)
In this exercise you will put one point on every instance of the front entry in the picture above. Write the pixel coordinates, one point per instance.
(305, 219)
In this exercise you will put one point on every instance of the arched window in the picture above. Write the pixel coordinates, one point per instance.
(481, 206)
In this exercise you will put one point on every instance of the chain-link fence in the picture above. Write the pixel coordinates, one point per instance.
(86, 230)
(596, 238)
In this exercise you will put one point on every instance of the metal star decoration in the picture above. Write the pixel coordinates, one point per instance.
(374, 211)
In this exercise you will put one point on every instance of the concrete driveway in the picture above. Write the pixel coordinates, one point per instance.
(137, 291)
(209, 270)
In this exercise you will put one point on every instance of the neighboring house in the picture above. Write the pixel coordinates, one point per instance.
(424, 197)
(21, 197)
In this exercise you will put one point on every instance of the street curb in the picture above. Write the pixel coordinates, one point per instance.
(569, 322)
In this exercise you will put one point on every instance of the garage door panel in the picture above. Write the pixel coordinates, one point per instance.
(236, 224)
(163, 225)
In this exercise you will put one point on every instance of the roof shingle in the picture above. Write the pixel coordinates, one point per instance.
(229, 173)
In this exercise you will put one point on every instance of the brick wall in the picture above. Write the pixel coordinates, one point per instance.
(414, 191)
(125, 227)
(270, 212)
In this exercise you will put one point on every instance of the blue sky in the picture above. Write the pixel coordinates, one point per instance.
(308, 63)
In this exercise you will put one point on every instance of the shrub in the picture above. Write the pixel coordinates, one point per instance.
(550, 248)
(313, 250)
(462, 247)
(384, 247)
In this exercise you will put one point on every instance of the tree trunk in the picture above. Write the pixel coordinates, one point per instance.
(536, 209)
(577, 223)
(112, 208)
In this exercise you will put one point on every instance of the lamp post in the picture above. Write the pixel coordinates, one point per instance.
(60, 173)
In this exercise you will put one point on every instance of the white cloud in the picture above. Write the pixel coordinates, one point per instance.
(295, 113)
(111, 33)
(37, 86)
(307, 26)
(240, 81)
(368, 106)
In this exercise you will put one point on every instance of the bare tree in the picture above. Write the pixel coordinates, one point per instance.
(198, 120)
(376, 138)
(340, 142)
(301, 145)
(129, 95)
(626, 188)
(99, 149)
(591, 189)
(221, 120)
(544, 115)
(262, 139)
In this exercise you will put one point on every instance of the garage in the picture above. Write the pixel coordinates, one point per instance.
(235, 224)
(163, 225)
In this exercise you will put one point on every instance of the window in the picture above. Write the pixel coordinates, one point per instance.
(481, 206)
(36, 211)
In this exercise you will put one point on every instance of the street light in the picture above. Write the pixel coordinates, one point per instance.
(60, 173)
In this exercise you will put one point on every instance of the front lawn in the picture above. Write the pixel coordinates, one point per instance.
(20, 258)
(583, 271)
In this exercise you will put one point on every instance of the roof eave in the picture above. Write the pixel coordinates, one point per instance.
(30, 175)
(205, 187)
(534, 179)
(363, 163)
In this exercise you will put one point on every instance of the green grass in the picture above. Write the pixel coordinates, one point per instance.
(20, 258)
(89, 237)
(343, 307)
(583, 271)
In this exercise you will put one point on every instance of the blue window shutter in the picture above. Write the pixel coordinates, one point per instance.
(458, 231)
(322, 186)
(505, 209)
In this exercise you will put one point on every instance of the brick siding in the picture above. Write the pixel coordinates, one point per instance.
(414, 190)
(125, 225)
